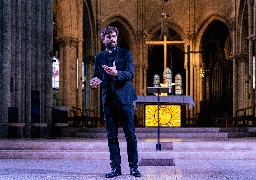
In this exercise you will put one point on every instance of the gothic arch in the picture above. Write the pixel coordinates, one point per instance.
(126, 39)
(243, 27)
(125, 25)
(172, 26)
(205, 24)
(217, 79)
(89, 29)
(175, 53)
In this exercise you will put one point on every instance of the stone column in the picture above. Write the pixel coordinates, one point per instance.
(144, 92)
(26, 44)
(79, 88)
(235, 68)
(235, 85)
(139, 49)
(250, 32)
(242, 81)
(93, 100)
(26, 40)
(48, 39)
(68, 74)
(17, 59)
(79, 8)
(16, 62)
(195, 80)
(145, 62)
(5, 66)
(137, 78)
(3, 128)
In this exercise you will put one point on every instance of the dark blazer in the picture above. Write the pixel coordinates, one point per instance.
(123, 82)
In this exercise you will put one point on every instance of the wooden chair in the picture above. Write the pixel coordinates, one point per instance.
(87, 119)
(78, 117)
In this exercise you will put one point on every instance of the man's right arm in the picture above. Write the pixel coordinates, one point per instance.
(96, 78)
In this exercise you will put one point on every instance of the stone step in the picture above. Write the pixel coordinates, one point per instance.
(151, 132)
(155, 134)
(89, 155)
(165, 132)
(98, 149)
(143, 145)
(189, 143)
(162, 129)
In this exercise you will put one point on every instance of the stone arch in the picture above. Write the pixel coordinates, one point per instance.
(218, 75)
(175, 53)
(89, 29)
(172, 26)
(127, 39)
(243, 27)
(124, 24)
(205, 24)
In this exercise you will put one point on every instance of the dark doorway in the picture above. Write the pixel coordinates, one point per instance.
(124, 40)
(217, 80)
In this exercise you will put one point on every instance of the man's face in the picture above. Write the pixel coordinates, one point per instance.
(110, 40)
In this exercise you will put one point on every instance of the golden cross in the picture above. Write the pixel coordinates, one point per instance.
(165, 42)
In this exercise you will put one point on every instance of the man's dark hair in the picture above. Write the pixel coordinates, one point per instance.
(108, 30)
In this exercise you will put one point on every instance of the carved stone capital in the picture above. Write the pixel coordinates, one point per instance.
(68, 41)
(231, 25)
(191, 35)
(139, 65)
(253, 37)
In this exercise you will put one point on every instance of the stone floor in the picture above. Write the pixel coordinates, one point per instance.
(192, 166)
(58, 169)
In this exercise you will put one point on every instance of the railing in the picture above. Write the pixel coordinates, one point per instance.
(87, 119)
(212, 120)
(190, 122)
(246, 116)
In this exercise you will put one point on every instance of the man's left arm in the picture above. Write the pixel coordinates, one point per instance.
(127, 72)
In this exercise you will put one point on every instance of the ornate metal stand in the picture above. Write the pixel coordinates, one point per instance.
(158, 90)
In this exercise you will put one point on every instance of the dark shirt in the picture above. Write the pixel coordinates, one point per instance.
(110, 58)
(121, 84)
(111, 97)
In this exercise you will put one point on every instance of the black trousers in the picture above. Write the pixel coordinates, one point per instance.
(111, 115)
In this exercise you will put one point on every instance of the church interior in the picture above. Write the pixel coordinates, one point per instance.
(203, 51)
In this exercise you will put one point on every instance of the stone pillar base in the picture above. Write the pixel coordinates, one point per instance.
(15, 132)
(3, 131)
(27, 131)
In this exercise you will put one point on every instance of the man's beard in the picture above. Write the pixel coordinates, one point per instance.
(110, 46)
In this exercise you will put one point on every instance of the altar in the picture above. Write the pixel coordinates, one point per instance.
(162, 108)
(172, 110)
